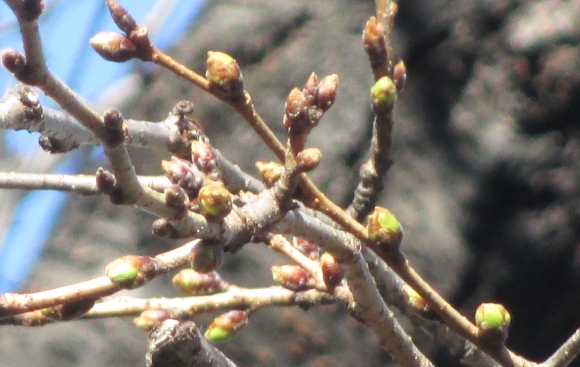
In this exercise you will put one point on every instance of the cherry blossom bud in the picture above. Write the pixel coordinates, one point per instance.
(292, 277)
(224, 73)
(307, 248)
(13, 61)
(385, 230)
(327, 92)
(296, 119)
(206, 256)
(121, 17)
(163, 228)
(374, 40)
(203, 156)
(115, 129)
(308, 159)
(215, 201)
(176, 198)
(493, 321)
(331, 271)
(113, 46)
(226, 325)
(131, 271)
(270, 172)
(106, 182)
(400, 75)
(181, 173)
(384, 94)
(310, 89)
(193, 283)
(149, 319)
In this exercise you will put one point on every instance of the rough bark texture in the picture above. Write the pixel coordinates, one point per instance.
(486, 177)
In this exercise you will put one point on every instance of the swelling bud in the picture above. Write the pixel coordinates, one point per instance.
(385, 230)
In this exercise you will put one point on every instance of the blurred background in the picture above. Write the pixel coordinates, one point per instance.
(486, 177)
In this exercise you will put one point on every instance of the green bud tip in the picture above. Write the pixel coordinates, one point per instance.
(217, 334)
(384, 92)
(492, 316)
(121, 272)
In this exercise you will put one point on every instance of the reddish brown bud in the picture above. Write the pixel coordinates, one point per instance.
(121, 17)
(115, 129)
(193, 283)
(308, 159)
(149, 319)
(131, 271)
(331, 271)
(106, 182)
(226, 325)
(181, 173)
(327, 92)
(307, 248)
(376, 46)
(113, 46)
(224, 73)
(310, 89)
(385, 230)
(176, 198)
(215, 201)
(14, 62)
(206, 256)
(203, 157)
(163, 228)
(296, 105)
(292, 277)
(270, 172)
(400, 75)
(69, 311)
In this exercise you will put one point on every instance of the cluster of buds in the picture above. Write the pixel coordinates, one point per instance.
(194, 283)
(183, 174)
(206, 256)
(224, 74)
(385, 230)
(292, 277)
(305, 108)
(204, 158)
(493, 321)
(131, 271)
(331, 271)
(149, 319)
(226, 325)
(68, 311)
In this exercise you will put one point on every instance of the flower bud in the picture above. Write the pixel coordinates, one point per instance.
(310, 89)
(331, 271)
(307, 248)
(296, 119)
(115, 129)
(113, 46)
(163, 228)
(181, 173)
(384, 94)
(131, 271)
(121, 17)
(270, 172)
(215, 201)
(176, 198)
(292, 277)
(149, 319)
(416, 302)
(206, 256)
(493, 321)
(224, 73)
(106, 182)
(69, 311)
(327, 92)
(374, 40)
(14, 61)
(193, 283)
(308, 159)
(400, 75)
(226, 325)
(203, 156)
(384, 229)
